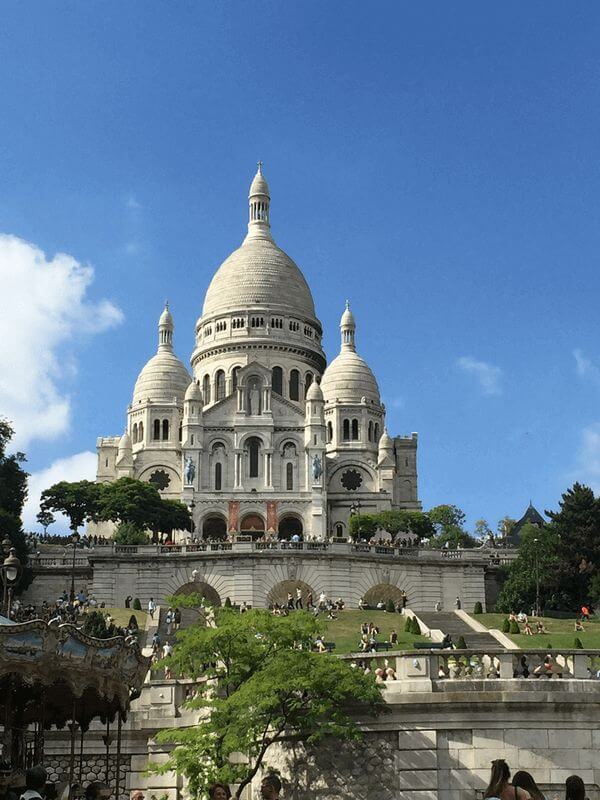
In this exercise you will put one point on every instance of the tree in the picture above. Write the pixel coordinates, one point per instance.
(505, 526)
(45, 518)
(265, 687)
(78, 500)
(139, 503)
(363, 524)
(13, 493)
(128, 533)
(174, 516)
(94, 624)
(482, 529)
(448, 522)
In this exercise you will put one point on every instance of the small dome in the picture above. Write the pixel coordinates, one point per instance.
(314, 392)
(163, 378)
(349, 378)
(347, 319)
(124, 442)
(386, 442)
(193, 392)
(259, 184)
(166, 318)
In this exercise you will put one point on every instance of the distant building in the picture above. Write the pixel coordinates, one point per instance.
(531, 517)
(263, 437)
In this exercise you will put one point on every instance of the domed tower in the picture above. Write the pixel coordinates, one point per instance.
(258, 308)
(354, 414)
(155, 414)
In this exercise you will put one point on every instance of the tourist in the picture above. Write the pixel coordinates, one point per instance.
(322, 601)
(438, 606)
(585, 614)
(527, 630)
(35, 783)
(290, 601)
(447, 642)
(169, 621)
(96, 790)
(219, 791)
(574, 788)
(309, 601)
(393, 637)
(151, 607)
(539, 628)
(361, 604)
(177, 618)
(243, 607)
(499, 785)
(404, 598)
(270, 787)
(523, 780)
(320, 645)
(521, 617)
(298, 597)
(458, 604)
(167, 650)
(578, 626)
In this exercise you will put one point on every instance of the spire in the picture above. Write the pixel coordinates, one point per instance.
(259, 202)
(348, 329)
(165, 329)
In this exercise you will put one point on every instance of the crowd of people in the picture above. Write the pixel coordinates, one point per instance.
(523, 785)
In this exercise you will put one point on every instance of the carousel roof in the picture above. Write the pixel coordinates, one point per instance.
(56, 673)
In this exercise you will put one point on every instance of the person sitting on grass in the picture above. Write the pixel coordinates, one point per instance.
(320, 645)
(578, 626)
(527, 629)
(393, 637)
(540, 627)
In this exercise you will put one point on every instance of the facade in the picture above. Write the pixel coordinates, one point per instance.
(262, 435)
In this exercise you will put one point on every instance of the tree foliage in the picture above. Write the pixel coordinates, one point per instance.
(13, 493)
(537, 558)
(264, 686)
(128, 533)
(94, 624)
(393, 522)
(45, 519)
(448, 522)
(77, 500)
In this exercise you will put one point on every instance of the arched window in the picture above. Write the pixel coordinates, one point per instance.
(206, 389)
(376, 438)
(339, 531)
(289, 476)
(329, 432)
(370, 431)
(218, 476)
(181, 431)
(346, 430)
(253, 456)
(234, 378)
(165, 430)
(307, 382)
(277, 380)
(156, 430)
(294, 385)
(134, 434)
(220, 385)
(141, 432)
(354, 429)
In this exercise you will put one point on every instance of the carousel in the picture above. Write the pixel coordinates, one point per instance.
(54, 675)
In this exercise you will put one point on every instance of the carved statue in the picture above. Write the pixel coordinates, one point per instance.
(317, 467)
(254, 399)
(190, 471)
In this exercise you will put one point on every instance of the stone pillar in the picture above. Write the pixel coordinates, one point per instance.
(268, 465)
(234, 515)
(237, 469)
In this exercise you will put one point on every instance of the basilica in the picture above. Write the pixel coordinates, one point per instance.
(263, 436)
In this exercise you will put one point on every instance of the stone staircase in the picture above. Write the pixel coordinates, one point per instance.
(449, 622)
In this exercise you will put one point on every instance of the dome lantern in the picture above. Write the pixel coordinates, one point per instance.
(348, 329)
(165, 329)
(259, 201)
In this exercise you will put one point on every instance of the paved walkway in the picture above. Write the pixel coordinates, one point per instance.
(449, 622)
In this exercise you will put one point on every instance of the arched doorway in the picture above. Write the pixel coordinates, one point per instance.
(253, 524)
(290, 527)
(206, 591)
(381, 593)
(214, 527)
(279, 593)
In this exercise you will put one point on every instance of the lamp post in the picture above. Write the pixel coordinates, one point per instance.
(11, 572)
(537, 578)
(355, 510)
(74, 539)
(192, 507)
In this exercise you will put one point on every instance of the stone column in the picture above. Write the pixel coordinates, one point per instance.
(237, 469)
(271, 515)
(234, 515)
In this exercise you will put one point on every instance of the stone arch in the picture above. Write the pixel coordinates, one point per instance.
(252, 523)
(278, 594)
(214, 526)
(382, 592)
(290, 525)
(200, 587)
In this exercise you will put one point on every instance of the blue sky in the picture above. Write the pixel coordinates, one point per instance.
(437, 163)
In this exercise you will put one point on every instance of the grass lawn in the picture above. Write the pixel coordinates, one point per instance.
(561, 632)
(121, 616)
(345, 630)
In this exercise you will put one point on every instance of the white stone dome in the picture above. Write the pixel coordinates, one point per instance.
(314, 392)
(349, 378)
(193, 392)
(386, 442)
(162, 379)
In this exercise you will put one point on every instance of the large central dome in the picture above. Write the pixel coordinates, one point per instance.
(259, 273)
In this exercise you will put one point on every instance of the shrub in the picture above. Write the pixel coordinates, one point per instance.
(549, 645)
(514, 627)
(128, 533)
(227, 602)
(416, 628)
(408, 625)
(137, 606)
(505, 625)
(577, 643)
(390, 607)
(461, 644)
(478, 608)
(94, 624)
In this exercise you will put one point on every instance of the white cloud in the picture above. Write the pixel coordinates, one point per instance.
(81, 466)
(586, 368)
(488, 375)
(588, 458)
(45, 312)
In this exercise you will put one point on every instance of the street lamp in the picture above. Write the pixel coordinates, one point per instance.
(192, 507)
(11, 572)
(537, 578)
(74, 539)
